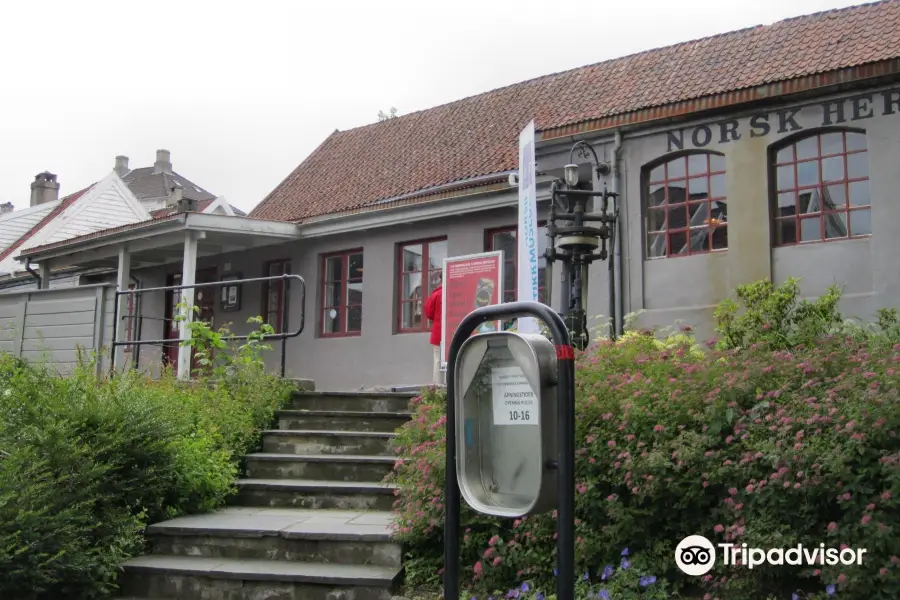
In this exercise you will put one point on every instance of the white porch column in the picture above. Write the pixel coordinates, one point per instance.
(123, 277)
(188, 277)
(45, 275)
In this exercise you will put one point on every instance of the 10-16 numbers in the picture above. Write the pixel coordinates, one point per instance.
(520, 415)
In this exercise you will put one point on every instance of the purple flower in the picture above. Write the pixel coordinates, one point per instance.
(512, 594)
(603, 594)
(648, 580)
(539, 596)
(525, 587)
(831, 590)
(625, 564)
(795, 597)
(585, 577)
(607, 572)
(625, 552)
(555, 572)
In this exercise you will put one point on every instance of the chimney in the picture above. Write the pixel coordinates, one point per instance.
(44, 188)
(6, 207)
(121, 166)
(163, 163)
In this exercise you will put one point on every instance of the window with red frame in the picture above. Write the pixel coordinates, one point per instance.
(342, 293)
(419, 267)
(275, 294)
(685, 207)
(505, 239)
(821, 189)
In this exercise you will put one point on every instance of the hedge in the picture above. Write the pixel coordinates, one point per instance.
(783, 432)
(87, 462)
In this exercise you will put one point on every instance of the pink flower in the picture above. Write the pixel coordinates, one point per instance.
(883, 571)
(732, 491)
(847, 496)
(842, 578)
(658, 428)
(886, 496)
(832, 526)
(749, 488)
(493, 541)
(719, 528)
(870, 507)
(611, 443)
(895, 560)
(497, 560)
(866, 519)
(478, 568)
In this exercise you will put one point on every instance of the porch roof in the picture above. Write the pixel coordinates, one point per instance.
(161, 241)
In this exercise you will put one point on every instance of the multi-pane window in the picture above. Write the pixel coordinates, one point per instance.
(505, 239)
(822, 189)
(342, 293)
(275, 295)
(686, 209)
(419, 269)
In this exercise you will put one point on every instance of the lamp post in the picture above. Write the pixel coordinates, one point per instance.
(576, 243)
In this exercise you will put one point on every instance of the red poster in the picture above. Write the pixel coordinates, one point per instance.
(470, 282)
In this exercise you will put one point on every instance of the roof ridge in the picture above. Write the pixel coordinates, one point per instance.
(624, 57)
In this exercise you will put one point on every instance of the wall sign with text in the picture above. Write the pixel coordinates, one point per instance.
(470, 282)
(843, 111)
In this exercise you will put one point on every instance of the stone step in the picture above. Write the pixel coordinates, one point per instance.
(199, 578)
(311, 494)
(287, 441)
(332, 467)
(353, 401)
(327, 536)
(341, 420)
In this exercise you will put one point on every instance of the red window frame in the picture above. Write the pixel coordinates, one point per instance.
(512, 263)
(344, 281)
(426, 283)
(697, 174)
(272, 314)
(786, 160)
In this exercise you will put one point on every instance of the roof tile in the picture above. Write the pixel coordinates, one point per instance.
(478, 135)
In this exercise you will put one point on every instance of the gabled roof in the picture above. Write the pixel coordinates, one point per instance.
(145, 183)
(107, 203)
(477, 136)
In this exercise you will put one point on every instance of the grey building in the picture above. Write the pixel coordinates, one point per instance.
(762, 153)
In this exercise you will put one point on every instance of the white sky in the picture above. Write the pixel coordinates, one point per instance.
(242, 92)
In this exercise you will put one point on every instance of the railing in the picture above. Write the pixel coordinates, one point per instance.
(283, 336)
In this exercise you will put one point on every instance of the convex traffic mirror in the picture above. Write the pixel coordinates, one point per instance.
(506, 427)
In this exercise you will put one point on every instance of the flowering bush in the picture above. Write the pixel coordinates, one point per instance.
(772, 445)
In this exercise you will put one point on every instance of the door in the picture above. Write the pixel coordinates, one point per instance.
(204, 298)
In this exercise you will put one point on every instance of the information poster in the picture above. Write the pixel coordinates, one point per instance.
(514, 402)
(470, 282)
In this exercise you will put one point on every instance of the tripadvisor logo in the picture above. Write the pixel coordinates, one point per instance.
(695, 555)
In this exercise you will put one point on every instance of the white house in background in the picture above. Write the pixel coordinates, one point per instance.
(123, 197)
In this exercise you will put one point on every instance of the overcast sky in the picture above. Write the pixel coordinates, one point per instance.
(242, 92)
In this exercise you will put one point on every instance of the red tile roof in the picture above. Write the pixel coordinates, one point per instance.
(57, 210)
(477, 136)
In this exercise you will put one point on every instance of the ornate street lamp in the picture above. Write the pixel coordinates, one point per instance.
(576, 243)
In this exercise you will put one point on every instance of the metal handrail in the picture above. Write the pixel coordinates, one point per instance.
(271, 336)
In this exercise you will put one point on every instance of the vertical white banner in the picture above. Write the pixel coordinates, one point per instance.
(527, 236)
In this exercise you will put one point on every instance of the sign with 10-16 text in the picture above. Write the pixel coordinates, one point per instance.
(470, 282)
(513, 400)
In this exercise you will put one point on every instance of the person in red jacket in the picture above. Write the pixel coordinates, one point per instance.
(433, 312)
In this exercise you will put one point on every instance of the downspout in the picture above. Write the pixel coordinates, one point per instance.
(617, 232)
(140, 322)
(33, 272)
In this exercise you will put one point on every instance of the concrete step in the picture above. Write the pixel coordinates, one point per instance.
(286, 441)
(326, 536)
(199, 578)
(353, 401)
(312, 494)
(341, 420)
(332, 467)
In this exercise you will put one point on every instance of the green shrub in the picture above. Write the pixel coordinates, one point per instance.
(761, 445)
(86, 463)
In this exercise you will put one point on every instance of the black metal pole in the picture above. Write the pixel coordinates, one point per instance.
(565, 523)
(112, 361)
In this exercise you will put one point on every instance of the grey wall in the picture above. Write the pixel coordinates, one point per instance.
(57, 327)
(665, 290)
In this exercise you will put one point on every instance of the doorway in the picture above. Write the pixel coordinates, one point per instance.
(204, 298)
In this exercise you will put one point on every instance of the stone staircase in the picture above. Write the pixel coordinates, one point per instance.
(310, 522)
